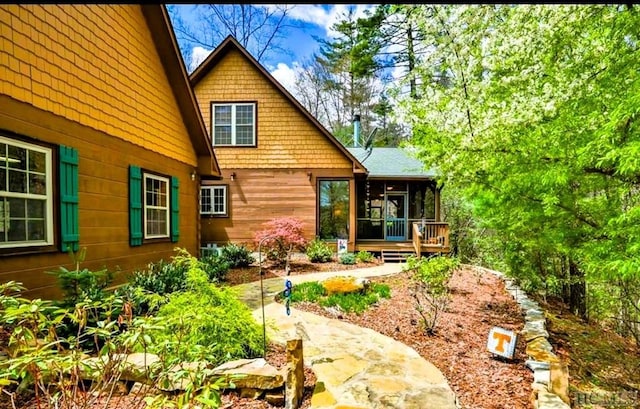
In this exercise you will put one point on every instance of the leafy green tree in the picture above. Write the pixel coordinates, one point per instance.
(536, 122)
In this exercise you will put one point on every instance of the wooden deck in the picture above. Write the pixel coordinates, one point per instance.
(432, 238)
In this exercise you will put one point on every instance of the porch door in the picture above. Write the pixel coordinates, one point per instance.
(396, 217)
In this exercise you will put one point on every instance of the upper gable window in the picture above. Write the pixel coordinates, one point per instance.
(234, 124)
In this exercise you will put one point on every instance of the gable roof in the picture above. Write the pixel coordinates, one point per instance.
(167, 47)
(230, 43)
(392, 163)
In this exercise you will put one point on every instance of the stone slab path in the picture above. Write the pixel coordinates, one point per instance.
(356, 368)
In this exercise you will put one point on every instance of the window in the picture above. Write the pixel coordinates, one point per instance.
(26, 194)
(334, 209)
(156, 206)
(213, 200)
(234, 124)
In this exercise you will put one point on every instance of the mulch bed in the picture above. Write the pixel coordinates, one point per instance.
(458, 346)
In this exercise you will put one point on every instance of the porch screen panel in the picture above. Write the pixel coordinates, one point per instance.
(422, 203)
(370, 198)
(334, 209)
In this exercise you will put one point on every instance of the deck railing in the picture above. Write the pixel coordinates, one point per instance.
(430, 236)
(417, 239)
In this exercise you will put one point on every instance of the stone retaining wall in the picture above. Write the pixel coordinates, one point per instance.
(550, 375)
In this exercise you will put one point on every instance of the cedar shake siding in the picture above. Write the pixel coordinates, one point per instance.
(278, 175)
(90, 80)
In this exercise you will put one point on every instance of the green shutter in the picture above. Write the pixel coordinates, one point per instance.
(69, 229)
(175, 210)
(135, 206)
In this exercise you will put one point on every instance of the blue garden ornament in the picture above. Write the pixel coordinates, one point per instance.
(287, 295)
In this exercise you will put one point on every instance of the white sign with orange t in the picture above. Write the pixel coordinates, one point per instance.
(502, 342)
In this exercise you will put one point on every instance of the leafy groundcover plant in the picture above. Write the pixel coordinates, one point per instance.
(356, 302)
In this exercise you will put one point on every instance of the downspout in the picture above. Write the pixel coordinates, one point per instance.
(356, 131)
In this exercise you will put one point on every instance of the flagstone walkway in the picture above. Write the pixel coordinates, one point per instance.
(355, 367)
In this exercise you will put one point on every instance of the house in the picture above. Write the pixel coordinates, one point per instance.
(101, 142)
(277, 160)
(398, 205)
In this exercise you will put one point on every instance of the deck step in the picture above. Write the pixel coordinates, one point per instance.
(396, 255)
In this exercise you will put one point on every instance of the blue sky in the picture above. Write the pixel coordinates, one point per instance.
(312, 19)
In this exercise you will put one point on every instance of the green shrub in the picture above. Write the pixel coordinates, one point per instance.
(161, 278)
(43, 362)
(430, 289)
(216, 267)
(310, 291)
(364, 256)
(348, 258)
(80, 284)
(349, 302)
(237, 255)
(209, 317)
(435, 272)
(319, 252)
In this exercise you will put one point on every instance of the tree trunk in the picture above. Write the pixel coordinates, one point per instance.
(578, 291)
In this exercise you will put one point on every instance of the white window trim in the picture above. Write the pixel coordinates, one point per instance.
(233, 123)
(212, 188)
(145, 206)
(48, 241)
(225, 200)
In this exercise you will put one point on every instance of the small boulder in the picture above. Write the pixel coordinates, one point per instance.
(250, 373)
(541, 350)
(275, 397)
(136, 367)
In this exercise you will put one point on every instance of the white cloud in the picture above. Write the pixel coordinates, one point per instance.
(325, 18)
(286, 76)
(198, 55)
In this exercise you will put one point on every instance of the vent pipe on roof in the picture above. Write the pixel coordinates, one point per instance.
(356, 131)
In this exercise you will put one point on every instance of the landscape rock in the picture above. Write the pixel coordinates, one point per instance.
(251, 393)
(548, 400)
(533, 365)
(534, 314)
(136, 367)
(559, 381)
(179, 376)
(275, 398)
(294, 386)
(139, 367)
(139, 389)
(540, 349)
(534, 329)
(321, 396)
(542, 376)
(250, 373)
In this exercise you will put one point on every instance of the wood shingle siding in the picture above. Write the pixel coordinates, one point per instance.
(259, 195)
(93, 64)
(103, 200)
(107, 82)
(285, 138)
